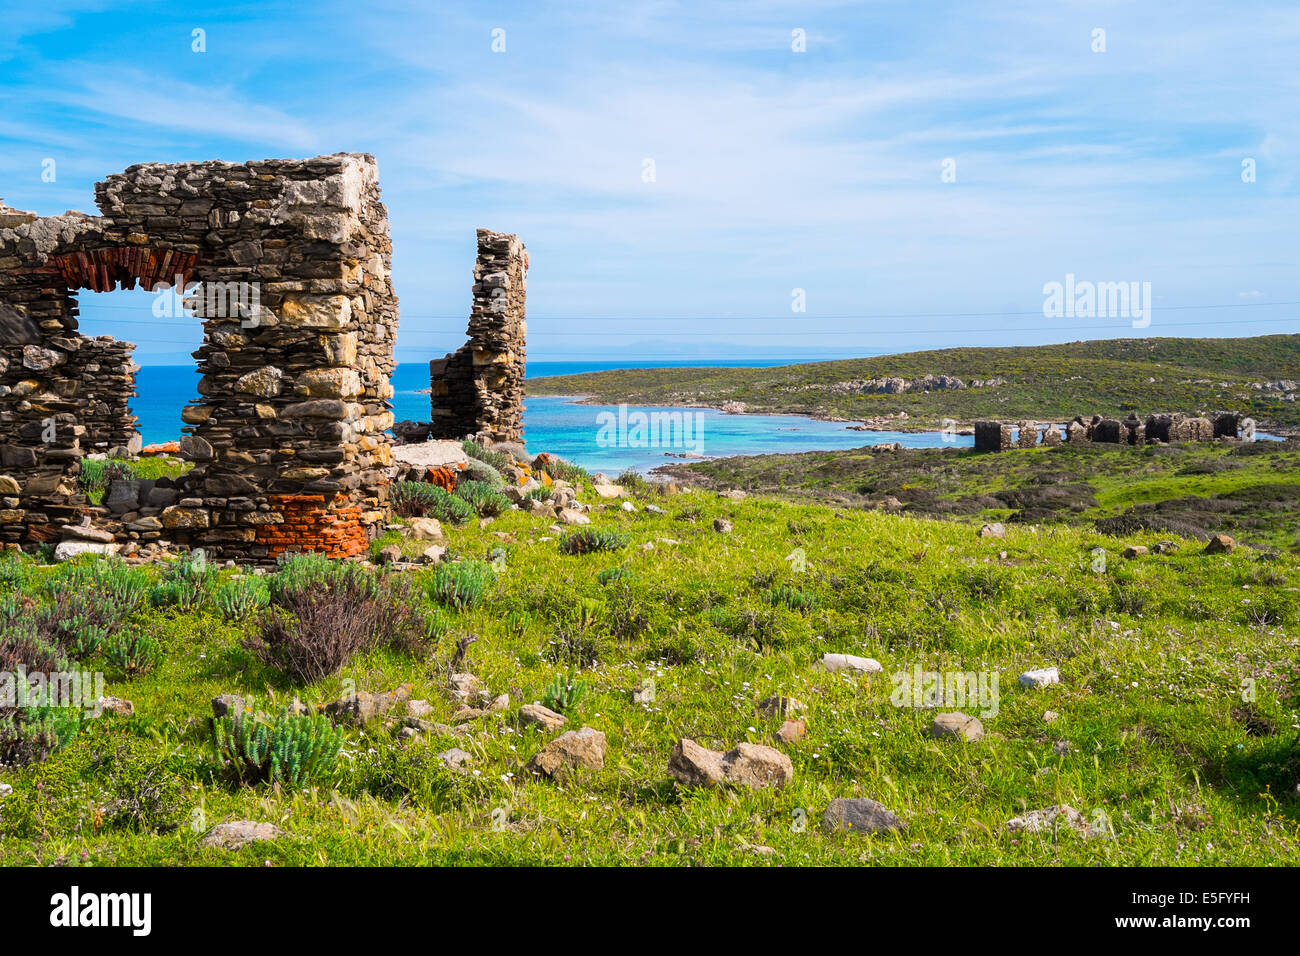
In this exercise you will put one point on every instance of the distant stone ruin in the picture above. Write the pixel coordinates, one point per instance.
(288, 435)
(478, 390)
(1156, 429)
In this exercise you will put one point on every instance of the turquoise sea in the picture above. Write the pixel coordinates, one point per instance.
(598, 437)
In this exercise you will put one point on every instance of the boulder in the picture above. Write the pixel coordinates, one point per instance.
(578, 749)
(542, 717)
(749, 765)
(239, 834)
(1043, 677)
(1220, 544)
(859, 815)
(833, 663)
(67, 550)
(957, 724)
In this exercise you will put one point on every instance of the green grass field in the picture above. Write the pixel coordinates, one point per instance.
(1049, 382)
(1177, 734)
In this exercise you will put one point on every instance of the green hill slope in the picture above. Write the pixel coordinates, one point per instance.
(1110, 377)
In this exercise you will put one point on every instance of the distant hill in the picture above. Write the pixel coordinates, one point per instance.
(1257, 376)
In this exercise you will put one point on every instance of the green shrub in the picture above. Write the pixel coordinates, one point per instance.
(497, 460)
(461, 585)
(30, 730)
(419, 499)
(98, 473)
(564, 692)
(481, 471)
(415, 499)
(480, 496)
(107, 781)
(793, 598)
(134, 651)
(185, 583)
(241, 598)
(593, 540)
(16, 571)
(616, 575)
(291, 750)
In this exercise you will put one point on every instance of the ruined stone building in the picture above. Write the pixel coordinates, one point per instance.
(288, 434)
(479, 389)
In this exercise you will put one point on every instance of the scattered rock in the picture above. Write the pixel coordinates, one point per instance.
(455, 758)
(778, 706)
(859, 815)
(6, 789)
(543, 717)
(426, 529)
(1049, 716)
(362, 707)
(1135, 551)
(848, 662)
(609, 491)
(792, 731)
(418, 708)
(576, 749)
(1049, 818)
(466, 688)
(226, 704)
(1042, 677)
(116, 705)
(749, 765)
(722, 526)
(434, 554)
(390, 554)
(570, 516)
(1220, 544)
(67, 550)
(993, 530)
(233, 836)
(957, 724)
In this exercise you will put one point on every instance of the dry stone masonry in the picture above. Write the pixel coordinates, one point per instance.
(1003, 436)
(478, 390)
(287, 436)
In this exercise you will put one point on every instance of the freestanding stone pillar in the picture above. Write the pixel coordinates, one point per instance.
(478, 390)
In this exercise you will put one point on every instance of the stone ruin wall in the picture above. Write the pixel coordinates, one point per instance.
(288, 434)
(1003, 436)
(478, 390)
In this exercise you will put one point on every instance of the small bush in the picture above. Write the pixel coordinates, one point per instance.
(16, 571)
(323, 613)
(480, 496)
(134, 651)
(291, 750)
(481, 471)
(418, 499)
(593, 540)
(413, 499)
(30, 730)
(793, 598)
(461, 585)
(564, 692)
(495, 459)
(241, 598)
(98, 473)
(185, 583)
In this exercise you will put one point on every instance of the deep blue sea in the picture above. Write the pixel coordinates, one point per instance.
(594, 436)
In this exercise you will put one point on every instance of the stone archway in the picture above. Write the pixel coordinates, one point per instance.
(288, 434)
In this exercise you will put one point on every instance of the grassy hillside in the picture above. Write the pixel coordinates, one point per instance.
(1110, 377)
(1249, 491)
(1173, 730)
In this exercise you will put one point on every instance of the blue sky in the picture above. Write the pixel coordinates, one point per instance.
(775, 170)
